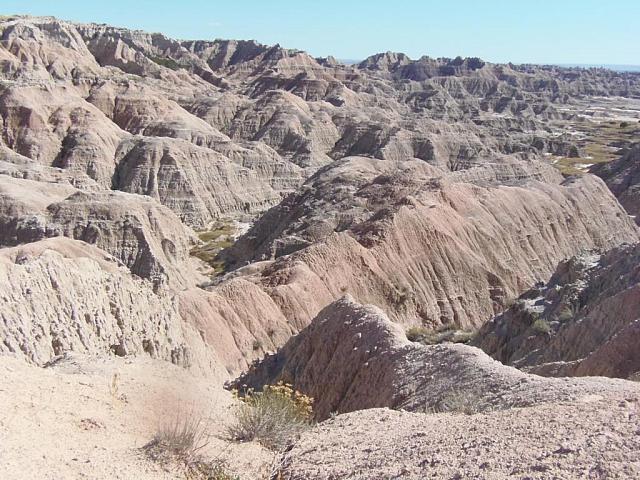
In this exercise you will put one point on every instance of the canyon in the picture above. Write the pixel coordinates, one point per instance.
(185, 214)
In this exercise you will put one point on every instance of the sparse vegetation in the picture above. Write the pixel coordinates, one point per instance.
(565, 315)
(214, 241)
(443, 334)
(273, 417)
(415, 334)
(510, 302)
(601, 143)
(180, 441)
(182, 437)
(541, 327)
(166, 62)
(569, 310)
(464, 402)
(114, 387)
(402, 295)
(214, 470)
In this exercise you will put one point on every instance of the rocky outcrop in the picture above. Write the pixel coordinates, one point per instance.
(61, 295)
(198, 184)
(427, 250)
(563, 440)
(82, 118)
(583, 322)
(352, 357)
(353, 360)
(145, 236)
(355, 189)
(23, 57)
(55, 126)
(18, 166)
(622, 176)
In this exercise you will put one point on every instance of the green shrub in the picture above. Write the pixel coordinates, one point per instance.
(416, 334)
(463, 336)
(273, 417)
(565, 315)
(166, 62)
(541, 327)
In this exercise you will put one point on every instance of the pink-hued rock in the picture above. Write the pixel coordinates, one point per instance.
(352, 357)
(590, 308)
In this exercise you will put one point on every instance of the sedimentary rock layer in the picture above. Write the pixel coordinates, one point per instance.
(583, 322)
(352, 357)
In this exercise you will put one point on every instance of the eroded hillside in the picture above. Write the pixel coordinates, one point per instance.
(201, 202)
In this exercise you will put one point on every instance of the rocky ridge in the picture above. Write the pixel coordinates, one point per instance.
(352, 357)
(456, 406)
(425, 187)
(622, 178)
(401, 238)
(565, 441)
(583, 322)
(224, 128)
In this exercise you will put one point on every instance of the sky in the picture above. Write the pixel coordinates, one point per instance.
(520, 31)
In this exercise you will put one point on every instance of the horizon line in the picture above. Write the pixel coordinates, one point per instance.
(619, 67)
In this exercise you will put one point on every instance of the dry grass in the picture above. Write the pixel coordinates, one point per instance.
(443, 334)
(179, 441)
(114, 385)
(181, 437)
(273, 417)
(463, 402)
(215, 470)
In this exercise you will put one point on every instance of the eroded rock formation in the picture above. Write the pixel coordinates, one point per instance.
(424, 187)
(427, 249)
(622, 176)
(416, 185)
(63, 295)
(352, 357)
(583, 322)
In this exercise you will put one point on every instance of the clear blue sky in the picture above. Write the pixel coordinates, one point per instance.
(537, 31)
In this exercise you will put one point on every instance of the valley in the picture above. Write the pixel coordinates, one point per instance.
(436, 257)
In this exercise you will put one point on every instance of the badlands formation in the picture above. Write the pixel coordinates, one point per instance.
(175, 215)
